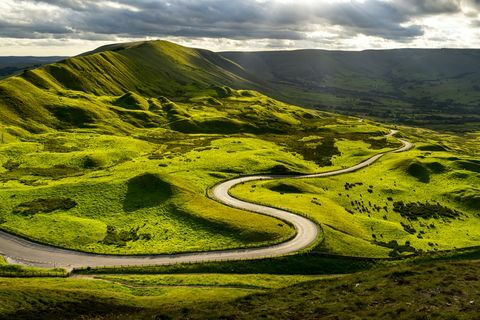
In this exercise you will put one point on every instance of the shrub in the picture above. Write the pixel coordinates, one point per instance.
(415, 210)
(419, 171)
(44, 205)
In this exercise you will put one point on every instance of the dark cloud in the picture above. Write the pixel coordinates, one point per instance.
(247, 19)
(426, 7)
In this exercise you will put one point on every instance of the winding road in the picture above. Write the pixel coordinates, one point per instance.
(22, 251)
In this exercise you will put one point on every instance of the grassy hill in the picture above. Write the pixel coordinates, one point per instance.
(433, 87)
(84, 91)
(96, 148)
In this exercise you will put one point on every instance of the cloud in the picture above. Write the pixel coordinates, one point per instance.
(279, 21)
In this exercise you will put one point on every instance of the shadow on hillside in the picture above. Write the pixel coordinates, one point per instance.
(145, 191)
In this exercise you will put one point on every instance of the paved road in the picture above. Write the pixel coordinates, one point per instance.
(18, 250)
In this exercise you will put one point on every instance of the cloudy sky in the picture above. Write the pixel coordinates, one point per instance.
(69, 27)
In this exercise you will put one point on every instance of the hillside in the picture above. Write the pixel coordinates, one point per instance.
(73, 135)
(119, 151)
(433, 290)
(434, 87)
(86, 90)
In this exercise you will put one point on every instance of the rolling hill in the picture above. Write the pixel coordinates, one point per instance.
(138, 78)
(116, 151)
(431, 87)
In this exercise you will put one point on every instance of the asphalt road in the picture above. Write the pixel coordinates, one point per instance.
(22, 251)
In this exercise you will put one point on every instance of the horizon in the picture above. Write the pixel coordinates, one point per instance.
(75, 27)
(245, 51)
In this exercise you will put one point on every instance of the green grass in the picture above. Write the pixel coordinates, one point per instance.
(438, 291)
(420, 287)
(145, 192)
(245, 281)
(360, 211)
(59, 299)
(19, 271)
(121, 197)
(130, 296)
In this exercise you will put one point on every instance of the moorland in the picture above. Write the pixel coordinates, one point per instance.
(115, 152)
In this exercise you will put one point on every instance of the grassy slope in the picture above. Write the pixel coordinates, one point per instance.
(136, 164)
(105, 134)
(78, 92)
(350, 220)
(435, 291)
(134, 297)
(440, 290)
(167, 210)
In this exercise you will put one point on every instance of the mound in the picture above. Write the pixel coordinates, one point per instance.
(286, 188)
(432, 147)
(73, 117)
(469, 165)
(469, 197)
(145, 191)
(131, 100)
(419, 171)
(436, 167)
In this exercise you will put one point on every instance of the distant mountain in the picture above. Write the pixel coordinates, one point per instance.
(415, 86)
(13, 65)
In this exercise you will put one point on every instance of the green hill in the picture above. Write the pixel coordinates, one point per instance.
(84, 91)
(434, 88)
(437, 88)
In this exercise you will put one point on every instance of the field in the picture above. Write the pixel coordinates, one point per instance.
(145, 192)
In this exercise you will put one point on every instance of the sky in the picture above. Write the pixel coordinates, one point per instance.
(70, 27)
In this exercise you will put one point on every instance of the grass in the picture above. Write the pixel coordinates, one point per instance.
(130, 296)
(18, 271)
(145, 192)
(300, 264)
(439, 291)
(361, 212)
(414, 288)
(245, 281)
(58, 299)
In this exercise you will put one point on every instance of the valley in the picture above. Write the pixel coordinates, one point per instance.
(149, 179)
